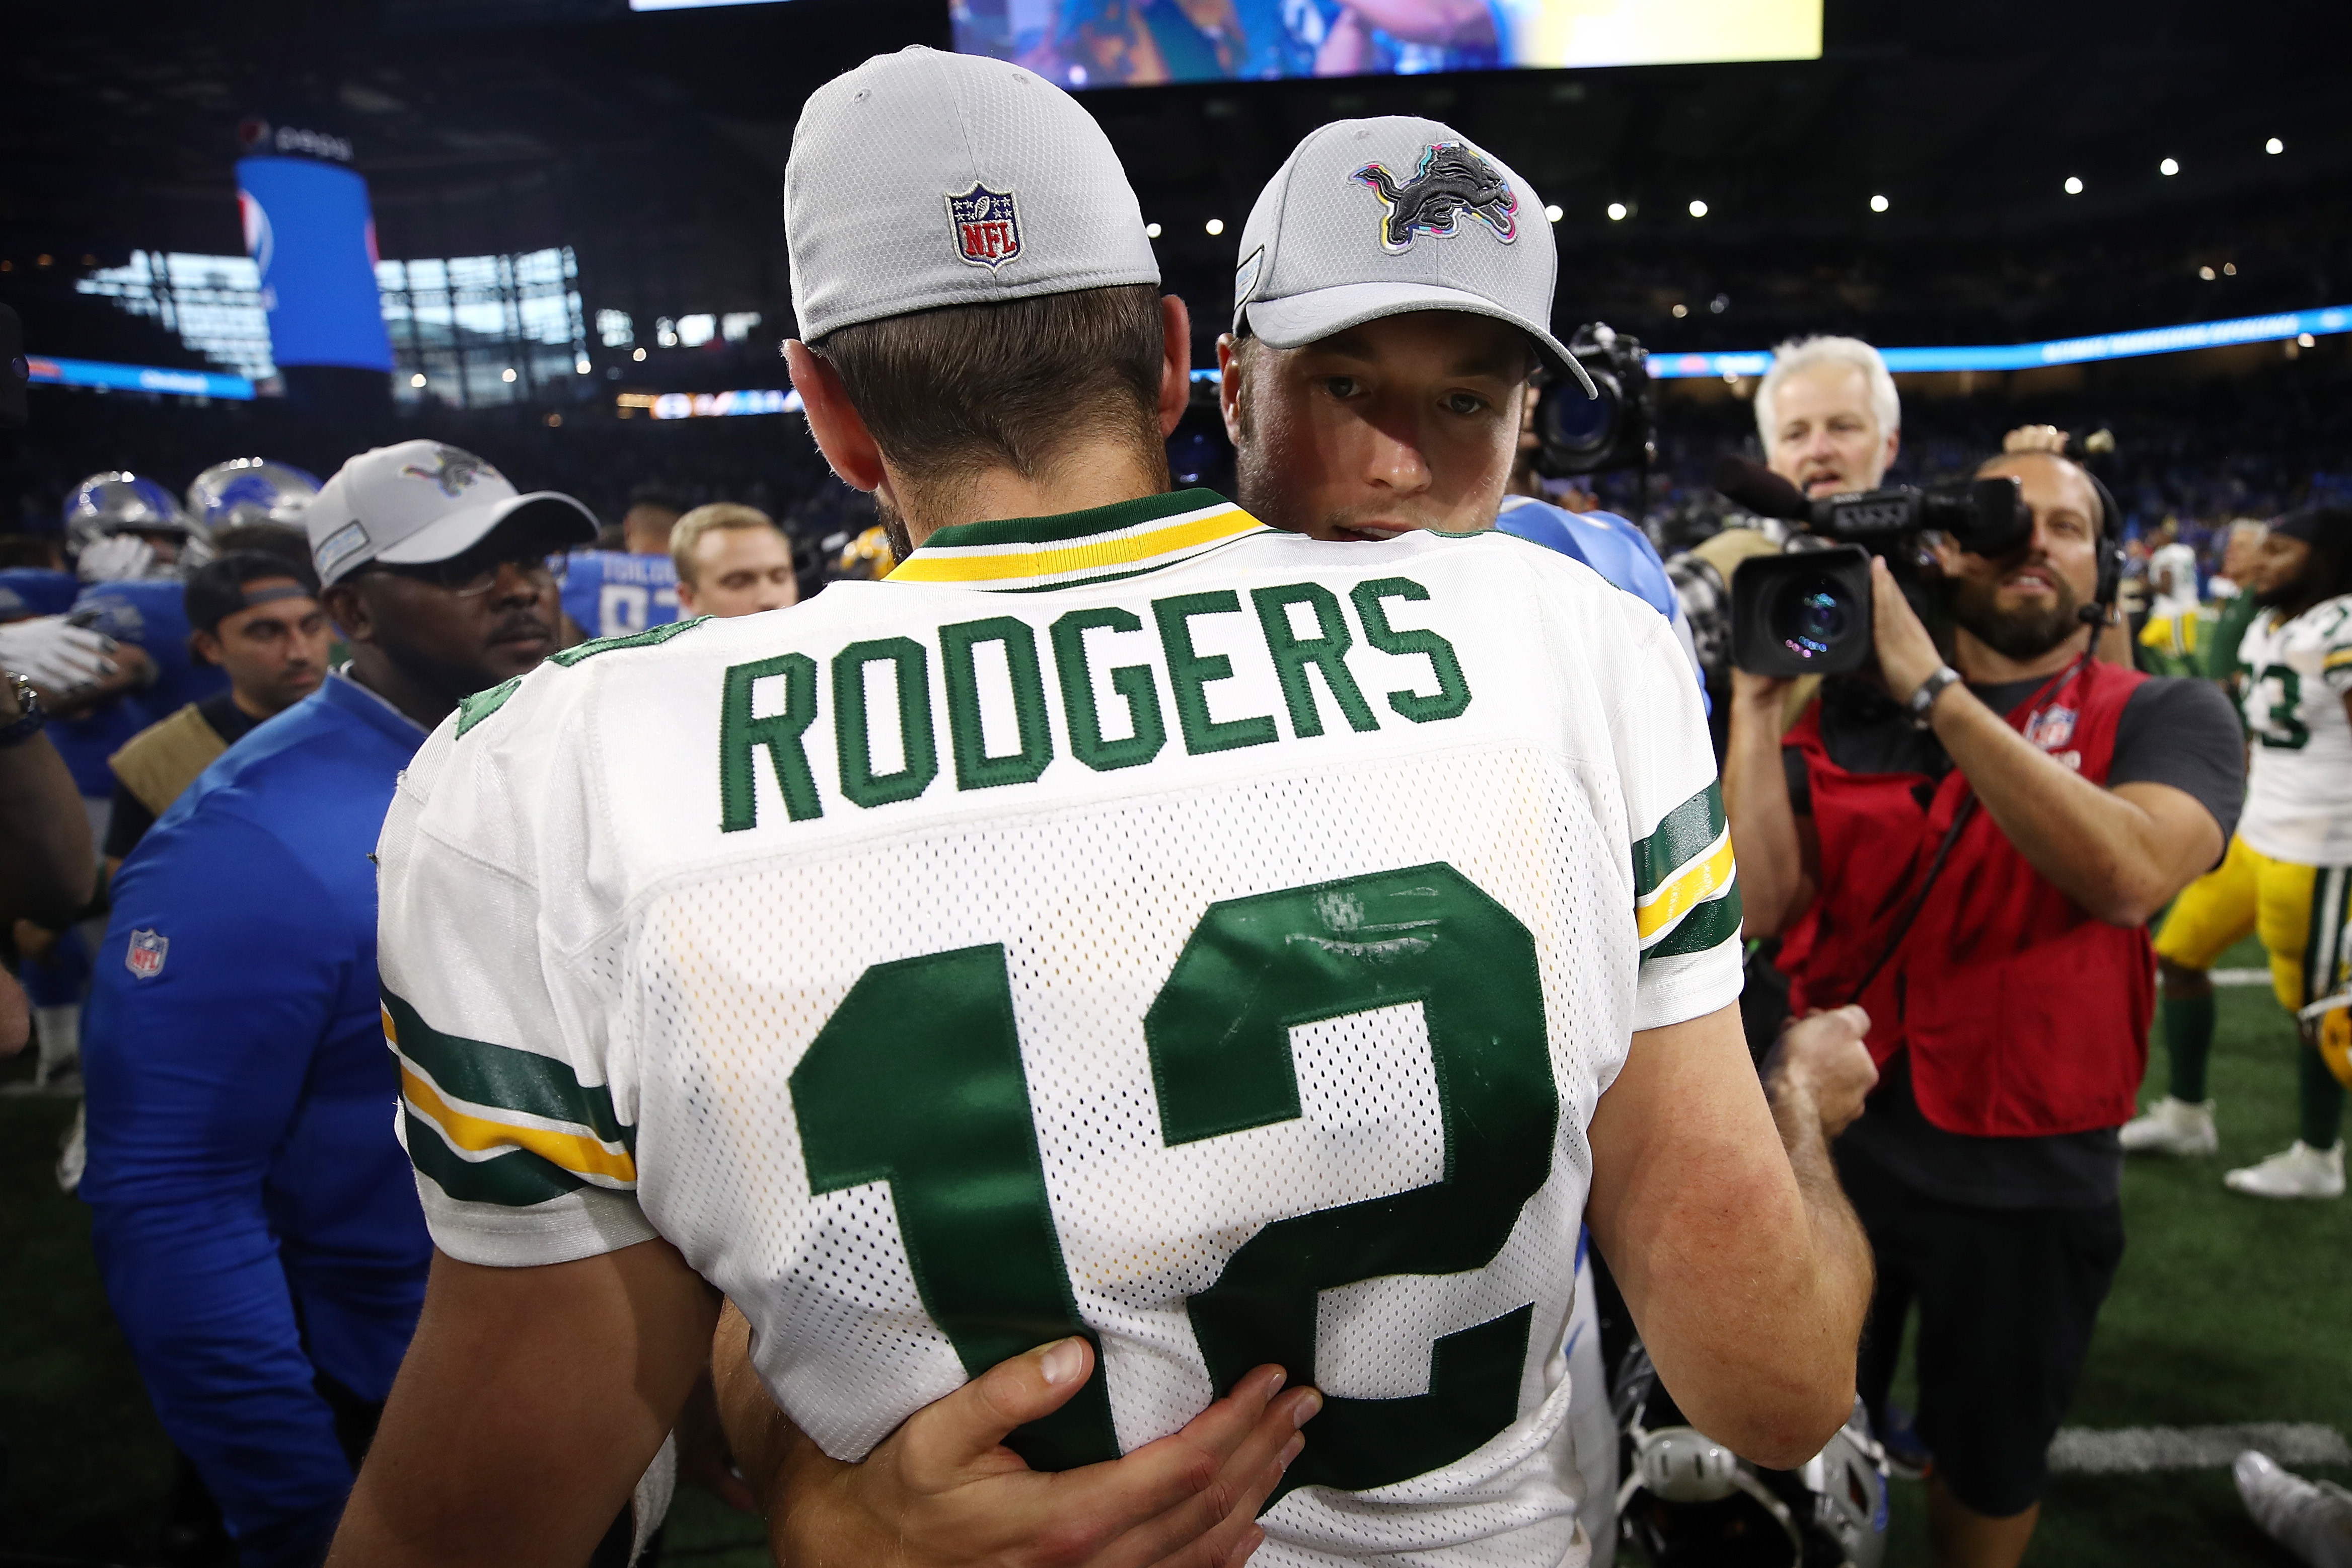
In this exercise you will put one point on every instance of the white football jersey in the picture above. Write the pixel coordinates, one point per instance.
(1141, 924)
(2299, 792)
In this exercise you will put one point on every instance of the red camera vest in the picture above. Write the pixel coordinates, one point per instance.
(2024, 1015)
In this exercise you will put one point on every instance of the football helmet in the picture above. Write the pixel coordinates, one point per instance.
(1693, 1503)
(867, 557)
(122, 505)
(250, 490)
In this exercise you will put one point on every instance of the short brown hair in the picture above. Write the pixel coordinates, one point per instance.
(952, 392)
(712, 518)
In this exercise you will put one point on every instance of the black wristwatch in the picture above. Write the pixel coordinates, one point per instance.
(31, 716)
(1921, 705)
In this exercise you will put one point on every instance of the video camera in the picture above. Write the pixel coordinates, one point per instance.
(1808, 613)
(1613, 429)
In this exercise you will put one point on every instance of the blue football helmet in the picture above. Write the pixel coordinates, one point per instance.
(122, 503)
(250, 490)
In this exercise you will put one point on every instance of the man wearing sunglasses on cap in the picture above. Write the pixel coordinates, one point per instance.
(255, 1216)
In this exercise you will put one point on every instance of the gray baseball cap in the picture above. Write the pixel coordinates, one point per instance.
(923, 179)
(421, 502)
(1378, 218)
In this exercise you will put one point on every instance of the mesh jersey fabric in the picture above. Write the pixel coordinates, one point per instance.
(2299, 789)
(614, 959)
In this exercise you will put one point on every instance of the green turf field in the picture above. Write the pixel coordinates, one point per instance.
(2227, 1309)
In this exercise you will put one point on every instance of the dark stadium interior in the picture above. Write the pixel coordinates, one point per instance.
(649, 150)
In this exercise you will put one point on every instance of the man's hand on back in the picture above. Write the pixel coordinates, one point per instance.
(943, 1491)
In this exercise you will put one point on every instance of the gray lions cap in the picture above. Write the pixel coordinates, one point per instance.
(923, 179)
(1378, 218)
(421, 502)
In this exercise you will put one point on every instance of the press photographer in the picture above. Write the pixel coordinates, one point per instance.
(1967, 838)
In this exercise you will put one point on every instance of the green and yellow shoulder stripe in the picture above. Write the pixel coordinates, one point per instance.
(490, 1124)
(1685, 887)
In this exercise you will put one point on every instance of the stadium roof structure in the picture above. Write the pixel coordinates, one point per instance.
(653, 144)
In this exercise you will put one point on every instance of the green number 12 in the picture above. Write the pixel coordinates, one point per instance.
(915, 1080)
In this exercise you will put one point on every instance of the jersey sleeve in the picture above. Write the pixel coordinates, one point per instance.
(196, 1069)
(2335, 651)
(1685, 887)
(524, 1147)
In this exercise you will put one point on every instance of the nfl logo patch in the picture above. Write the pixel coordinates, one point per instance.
(2051, 728)
(145, 957)
(987, 226)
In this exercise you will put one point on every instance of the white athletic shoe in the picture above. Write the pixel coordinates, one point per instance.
(2300, 1171)
(2312, 1520)
(2172, 1127)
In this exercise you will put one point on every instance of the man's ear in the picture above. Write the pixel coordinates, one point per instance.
(1175, 363)
(204, 647)
(1894, 445)
(349, 611)
(835, 421)
(1228, 385)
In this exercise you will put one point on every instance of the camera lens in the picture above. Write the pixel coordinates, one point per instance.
(1811, 617)
(1577, 424)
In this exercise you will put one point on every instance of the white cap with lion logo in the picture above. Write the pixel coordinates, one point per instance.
(1378, 217)
(421, 502)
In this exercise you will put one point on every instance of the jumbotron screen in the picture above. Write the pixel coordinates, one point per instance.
(1135, 43)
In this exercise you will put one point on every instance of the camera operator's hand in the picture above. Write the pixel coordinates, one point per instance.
(2035, 438)
(1764, 694)
(1821, 1062)
(1907, 656)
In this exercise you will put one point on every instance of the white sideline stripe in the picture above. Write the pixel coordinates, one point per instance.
(2140, 1449)
(2240, 976)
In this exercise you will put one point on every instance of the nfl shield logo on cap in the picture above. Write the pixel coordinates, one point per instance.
(987, 225)
(144, 956)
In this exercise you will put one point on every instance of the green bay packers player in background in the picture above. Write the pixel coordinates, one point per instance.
(1207, 952)
(2288, 876)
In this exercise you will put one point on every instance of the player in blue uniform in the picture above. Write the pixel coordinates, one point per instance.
(256, 1219)
(612, 593)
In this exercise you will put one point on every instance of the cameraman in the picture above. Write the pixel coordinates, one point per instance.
(1972, 857)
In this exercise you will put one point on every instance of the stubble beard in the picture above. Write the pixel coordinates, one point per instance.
(2021, 633)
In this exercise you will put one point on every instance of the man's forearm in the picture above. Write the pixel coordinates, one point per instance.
(2099, 849)
(1839, 1244)
(45, 862)
(1763, 819)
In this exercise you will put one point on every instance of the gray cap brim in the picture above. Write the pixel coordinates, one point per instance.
(1303, 319)
(460, 531)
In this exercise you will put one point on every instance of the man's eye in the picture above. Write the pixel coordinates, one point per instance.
(1342, 387)
(1465, 402)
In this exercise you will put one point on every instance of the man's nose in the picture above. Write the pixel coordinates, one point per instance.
(1398, 465)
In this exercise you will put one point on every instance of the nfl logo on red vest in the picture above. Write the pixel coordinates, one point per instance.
(144, 956)
(987, 225)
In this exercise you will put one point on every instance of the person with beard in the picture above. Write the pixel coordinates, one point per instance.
(2288, 876)
(1970, 849)
(253, 1215)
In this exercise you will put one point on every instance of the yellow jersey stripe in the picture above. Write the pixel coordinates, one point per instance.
(952, 566)
(1703, 877)
(582, 1156)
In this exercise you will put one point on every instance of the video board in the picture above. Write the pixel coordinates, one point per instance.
(1134, 43)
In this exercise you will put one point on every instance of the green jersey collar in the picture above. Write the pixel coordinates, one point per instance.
(1126, 540)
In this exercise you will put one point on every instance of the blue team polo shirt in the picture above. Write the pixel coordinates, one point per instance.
(254, 1218)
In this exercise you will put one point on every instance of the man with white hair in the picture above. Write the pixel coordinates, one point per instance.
(1830, 422)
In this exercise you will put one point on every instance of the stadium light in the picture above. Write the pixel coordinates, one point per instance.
(508, 374)
(1877, 203)
(1616, 212)
(2073, 184)
(1698, 209)
(581, 366)
(2229, 269)
(2306, 340)
(1151, 231)
(638, 355)
(2274, 147)
(1215, 225)
(1551, 211)
(2206, 272)
(2170, 166)
(417, 380)
(1681, 311)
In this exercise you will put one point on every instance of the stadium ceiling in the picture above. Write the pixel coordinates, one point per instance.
(655, 142)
